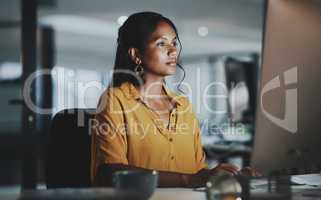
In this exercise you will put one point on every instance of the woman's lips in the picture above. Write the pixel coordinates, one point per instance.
(171, 63)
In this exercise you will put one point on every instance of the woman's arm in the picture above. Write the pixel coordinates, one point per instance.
(165, 179)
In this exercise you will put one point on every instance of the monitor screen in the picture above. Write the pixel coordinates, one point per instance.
(288, 115)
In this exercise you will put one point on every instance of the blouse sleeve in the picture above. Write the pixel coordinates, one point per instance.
(109, 141)
(199, 152)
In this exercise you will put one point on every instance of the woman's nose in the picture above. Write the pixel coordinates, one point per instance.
(172, 51)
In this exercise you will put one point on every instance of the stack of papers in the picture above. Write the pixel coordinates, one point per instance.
(307, 179)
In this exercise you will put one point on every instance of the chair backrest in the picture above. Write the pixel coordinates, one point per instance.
(68, 156)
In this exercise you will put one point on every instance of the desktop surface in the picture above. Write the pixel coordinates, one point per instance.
(299, 192)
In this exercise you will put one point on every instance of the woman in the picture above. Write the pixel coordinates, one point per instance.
(140, 123)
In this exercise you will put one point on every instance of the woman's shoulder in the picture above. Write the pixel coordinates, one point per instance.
(123, 95)
(116, 91)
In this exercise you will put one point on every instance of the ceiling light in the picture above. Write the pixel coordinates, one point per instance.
(202, 31)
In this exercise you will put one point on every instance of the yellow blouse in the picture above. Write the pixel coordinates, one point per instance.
(126, 131)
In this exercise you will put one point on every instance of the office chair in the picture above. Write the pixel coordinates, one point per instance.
(68, 155)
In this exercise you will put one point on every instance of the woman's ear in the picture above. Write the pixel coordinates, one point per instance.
(134, 55)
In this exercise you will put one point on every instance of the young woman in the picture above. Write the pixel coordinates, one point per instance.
(140, 123)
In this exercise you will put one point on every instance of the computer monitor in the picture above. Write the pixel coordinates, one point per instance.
(288, 118)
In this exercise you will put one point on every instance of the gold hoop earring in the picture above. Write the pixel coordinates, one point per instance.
(139, 70)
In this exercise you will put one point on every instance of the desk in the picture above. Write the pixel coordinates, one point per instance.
(160, 194)
(190, 194)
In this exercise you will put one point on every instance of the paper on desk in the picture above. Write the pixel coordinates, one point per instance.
(178, 193)
(307, 179)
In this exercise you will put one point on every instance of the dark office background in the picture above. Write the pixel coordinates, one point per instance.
(218, 36)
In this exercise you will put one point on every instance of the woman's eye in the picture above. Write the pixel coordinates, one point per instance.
(161, 44)
(175, 44)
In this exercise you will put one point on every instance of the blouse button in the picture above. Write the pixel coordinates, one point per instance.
(172, 157)
(171, 139)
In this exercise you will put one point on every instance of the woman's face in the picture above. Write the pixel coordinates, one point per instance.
(160, 55)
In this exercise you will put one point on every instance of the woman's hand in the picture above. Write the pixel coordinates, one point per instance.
(227, 168)
(200, 178)
(248, 171)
